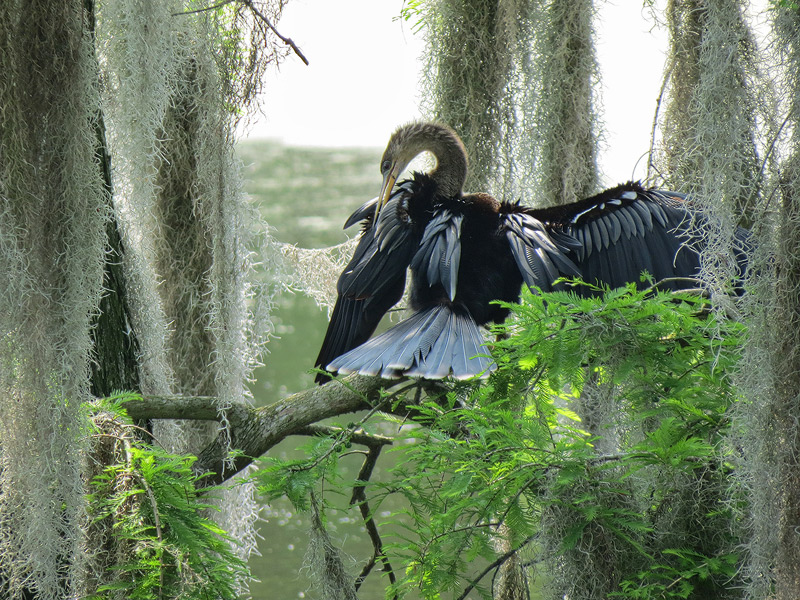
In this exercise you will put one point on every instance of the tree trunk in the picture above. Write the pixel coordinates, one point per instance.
(115, 344)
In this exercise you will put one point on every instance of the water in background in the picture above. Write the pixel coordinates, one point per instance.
(305, 195)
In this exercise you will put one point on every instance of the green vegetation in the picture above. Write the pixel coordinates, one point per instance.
(517, 463)
(167, 544)
(647, 495)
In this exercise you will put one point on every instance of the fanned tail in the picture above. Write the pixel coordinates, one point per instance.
(433, 343)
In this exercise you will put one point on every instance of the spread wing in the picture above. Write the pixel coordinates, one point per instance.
(375, 277)
(542, 256)
(628, 230)
(609, 239)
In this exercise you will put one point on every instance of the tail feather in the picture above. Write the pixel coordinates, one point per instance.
(390, 353)
(416, 342)
(473, 346)
(434, 343)
(437, 363)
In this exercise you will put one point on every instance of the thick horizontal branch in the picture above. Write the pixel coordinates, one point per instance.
(198, 408)
(253, 431)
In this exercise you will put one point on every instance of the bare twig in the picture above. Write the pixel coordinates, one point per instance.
(679, 280)
(760, 178)
(206, 9)
(358, 436)
(360, 497)
(667, 75)
(249, 4)
(285, 40)
(354, 435)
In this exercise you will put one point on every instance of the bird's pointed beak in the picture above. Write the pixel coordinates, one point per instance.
(386, 189)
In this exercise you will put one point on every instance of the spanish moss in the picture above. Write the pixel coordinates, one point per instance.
(52, 232)
(566, 123)
(178, 83)
(478, 81)
(710, 142)
(325, 562)
(769, 379)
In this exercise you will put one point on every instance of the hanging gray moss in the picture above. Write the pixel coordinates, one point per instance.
(769, 377)
(679, 125)
(710, 122)
(52, 231)
(566, 123)
(717, 98)
(173, 87)
(710, 136)
(325, 562)
(517, 81)
(784, 402)
(137, 48)
(477, 80)
(780, 437)
(710, 149)
(177, 84)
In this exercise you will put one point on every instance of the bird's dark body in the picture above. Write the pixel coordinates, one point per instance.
(465, 251)
(485, 258)
(487, 271)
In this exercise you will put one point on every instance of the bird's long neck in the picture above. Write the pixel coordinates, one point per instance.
(450, 172)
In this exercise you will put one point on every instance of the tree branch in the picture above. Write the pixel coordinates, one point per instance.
(285, 40)
(495, 564)
(253, 431)
(359, 436)
(258, 14)
(360, 498)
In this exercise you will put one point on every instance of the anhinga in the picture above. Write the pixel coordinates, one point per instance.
(465, 250)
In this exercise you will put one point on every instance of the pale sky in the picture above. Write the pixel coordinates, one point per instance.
(362, 79)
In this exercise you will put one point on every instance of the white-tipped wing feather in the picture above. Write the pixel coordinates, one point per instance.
(540, 257)
(439, 254)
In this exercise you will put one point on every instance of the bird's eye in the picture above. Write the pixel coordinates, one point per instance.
(385, 166)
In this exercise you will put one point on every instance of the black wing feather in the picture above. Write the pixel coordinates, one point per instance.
(656, 237)
(439, 254)
(363, 212)
(614, 227)
(628, 224)
(373, 280)
(644, 212)
(540, 257)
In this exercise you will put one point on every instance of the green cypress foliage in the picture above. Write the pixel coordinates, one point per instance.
(652, 519)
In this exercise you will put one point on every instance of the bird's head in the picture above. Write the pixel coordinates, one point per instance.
(413, 139)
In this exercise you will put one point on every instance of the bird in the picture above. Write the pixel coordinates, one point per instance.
(465, 250)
